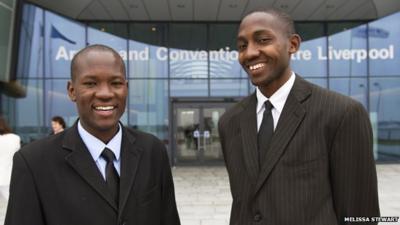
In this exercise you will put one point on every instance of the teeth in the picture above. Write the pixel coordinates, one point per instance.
(104, 108)
(257, 66)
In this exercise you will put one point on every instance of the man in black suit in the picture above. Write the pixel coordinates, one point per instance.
(296, 154)
(97, 172)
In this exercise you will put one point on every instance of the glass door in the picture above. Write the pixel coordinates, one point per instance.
(195, 127)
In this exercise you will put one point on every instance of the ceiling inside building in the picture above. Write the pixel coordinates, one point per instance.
(217, 10)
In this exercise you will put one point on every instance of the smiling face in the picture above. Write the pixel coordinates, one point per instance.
(265, 46)
(99, 89)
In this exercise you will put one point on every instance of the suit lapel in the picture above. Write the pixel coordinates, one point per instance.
(82, 162)
(248, 130)
(292, 115)
(130, 156)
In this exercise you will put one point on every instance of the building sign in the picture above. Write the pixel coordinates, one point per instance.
(163, 54)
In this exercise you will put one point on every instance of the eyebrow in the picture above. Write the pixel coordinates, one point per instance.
(257, 32)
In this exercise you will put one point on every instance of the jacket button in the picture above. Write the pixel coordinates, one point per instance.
(257, 217)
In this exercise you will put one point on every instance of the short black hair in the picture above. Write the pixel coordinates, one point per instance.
(282, 16)
(59, 120)
(96, 47)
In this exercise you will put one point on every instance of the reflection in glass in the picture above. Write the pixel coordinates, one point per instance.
(322, 82)
(211, 141)
(117, 29)
(346, 59)
(117, 43)
(58, 102)
(187, 54)
(189, 87)
(147, 61)
(310, 60)
(222, 51)
(63, 38)
(385, 107)
(148, 106)
(29, 119)
(384, 37)
(148, 33)
(336, 27)
(309, 31)
(187, 134)
(148, 56)
(353, 87)
(229, 87)
(30, 56)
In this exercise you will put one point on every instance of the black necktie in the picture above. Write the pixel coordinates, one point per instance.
(266, 131)
(112, 178)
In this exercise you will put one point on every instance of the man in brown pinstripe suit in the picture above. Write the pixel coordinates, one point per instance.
(315, 166)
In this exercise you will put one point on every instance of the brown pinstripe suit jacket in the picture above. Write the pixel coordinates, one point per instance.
(318, 169)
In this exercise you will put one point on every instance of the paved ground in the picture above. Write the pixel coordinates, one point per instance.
(203, 195)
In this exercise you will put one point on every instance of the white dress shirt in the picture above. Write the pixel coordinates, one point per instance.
(96, 147)
(278, 100)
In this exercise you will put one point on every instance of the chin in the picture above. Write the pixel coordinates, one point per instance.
(107, 126)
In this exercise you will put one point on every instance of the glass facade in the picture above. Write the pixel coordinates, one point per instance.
(7, 11)
(173, 60)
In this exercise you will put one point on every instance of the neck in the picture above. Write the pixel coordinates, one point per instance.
(104, 135)
(270, 88)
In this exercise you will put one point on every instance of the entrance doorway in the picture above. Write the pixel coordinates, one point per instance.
(195, 132)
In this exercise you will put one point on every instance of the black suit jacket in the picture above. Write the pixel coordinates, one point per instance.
(318, 169)
(55, 181)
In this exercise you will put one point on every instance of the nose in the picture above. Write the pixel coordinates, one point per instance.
(251, 51)
(104, 91)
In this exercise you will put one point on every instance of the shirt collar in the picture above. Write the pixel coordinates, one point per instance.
(277, 99)
(96, 146)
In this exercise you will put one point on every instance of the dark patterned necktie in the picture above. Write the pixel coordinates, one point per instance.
(112, 178)
(265, 133)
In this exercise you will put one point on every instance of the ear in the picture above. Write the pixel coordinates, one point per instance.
(71, 91)
(295, 41)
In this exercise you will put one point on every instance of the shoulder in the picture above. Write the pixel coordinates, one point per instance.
(235, 111)
(41, 149)
(144, 139)
(11, 138)
(332, 104)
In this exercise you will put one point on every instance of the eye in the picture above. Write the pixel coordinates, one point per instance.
(89, 83)
(117, 83)
(263, 40)
(241, 46)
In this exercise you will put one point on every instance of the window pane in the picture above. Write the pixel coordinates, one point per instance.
(117, 29)
(5, 41)
(30, 55)
(148, 56)
(322, 82)
(63, 38)
(336, 27)
(149, 33)
(384, 39)
(222, 52)
(309, 30)
(58, 102)
(29, 112)
(188, 56)
(189, 87)
(353, 87)
(229, 87)
(348, 53)
(311, 59)
(117, 43)
(385, 107)
(148, 106)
